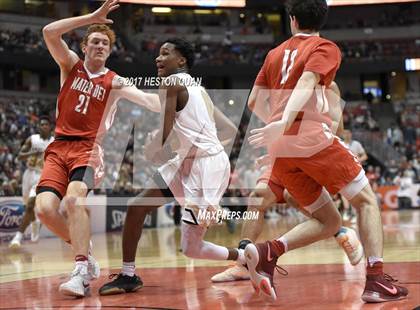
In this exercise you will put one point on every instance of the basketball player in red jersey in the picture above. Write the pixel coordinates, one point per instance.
(85, 109)
(269, 190)
(306, 157)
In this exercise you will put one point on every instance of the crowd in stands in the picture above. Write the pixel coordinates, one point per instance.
(379, 49)
(221, 53)
(404, 137)
(403, 17)
(30, 41)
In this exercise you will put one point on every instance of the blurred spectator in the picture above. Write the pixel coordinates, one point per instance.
(355, 146)
(404, 182)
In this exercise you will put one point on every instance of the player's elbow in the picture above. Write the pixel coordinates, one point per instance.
(334, 87)
(251, 104)
(47, 31)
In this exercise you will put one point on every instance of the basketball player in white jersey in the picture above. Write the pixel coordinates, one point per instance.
(33, 152)
(195, 167)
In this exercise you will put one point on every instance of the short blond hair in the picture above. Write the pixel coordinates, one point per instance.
(102, 28)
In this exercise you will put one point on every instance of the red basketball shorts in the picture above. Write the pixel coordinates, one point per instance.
(62, 157)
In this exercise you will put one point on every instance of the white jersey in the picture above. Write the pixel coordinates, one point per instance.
(38, 145)
(194, 124)
(202, 176)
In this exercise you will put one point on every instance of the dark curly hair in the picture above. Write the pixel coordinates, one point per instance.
(310, 14)
(184, 48)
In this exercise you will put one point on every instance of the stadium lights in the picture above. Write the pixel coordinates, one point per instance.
(412, 64)
(203, 12)
(161, 10)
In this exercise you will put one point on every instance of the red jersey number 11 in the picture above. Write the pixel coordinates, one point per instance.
(285, 70)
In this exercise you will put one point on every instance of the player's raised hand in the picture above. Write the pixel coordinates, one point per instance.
(100, 15)
(265, 136)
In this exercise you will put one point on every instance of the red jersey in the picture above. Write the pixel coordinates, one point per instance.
(83, 109)
(280, 73)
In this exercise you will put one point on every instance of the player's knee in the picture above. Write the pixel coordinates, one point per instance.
(77, 189)
(72, 204)
(365, 199)
(44, 211)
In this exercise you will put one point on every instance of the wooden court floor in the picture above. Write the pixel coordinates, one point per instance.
(319, 275)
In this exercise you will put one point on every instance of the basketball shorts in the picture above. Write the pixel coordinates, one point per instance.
(30, 180)
(197, 183)
(335, 168)
(63, 157)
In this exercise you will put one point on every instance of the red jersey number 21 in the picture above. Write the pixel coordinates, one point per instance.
(285, 70)
(83, 104)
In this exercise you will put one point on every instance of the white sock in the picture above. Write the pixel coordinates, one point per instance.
(128, 269)
(83, 265)
(241, 257)
(19, 235)
(284, 241)
(373, 259)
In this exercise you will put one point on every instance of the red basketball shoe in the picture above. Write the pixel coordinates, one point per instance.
(381, 287)
(261, 259)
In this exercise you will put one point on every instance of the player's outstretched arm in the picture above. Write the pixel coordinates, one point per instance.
(53, 32)
(122, 89)
(258, 103)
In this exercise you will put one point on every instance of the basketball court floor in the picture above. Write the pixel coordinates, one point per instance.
(319, 275)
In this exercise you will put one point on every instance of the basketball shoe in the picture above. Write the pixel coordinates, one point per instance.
(348, 240)
(35, 228)
(16, 241)
(78, 285)
(261, 259)
(122, 284)
(236, 272)
(380, 288)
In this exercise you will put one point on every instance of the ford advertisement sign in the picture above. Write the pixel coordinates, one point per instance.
(11, 215)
